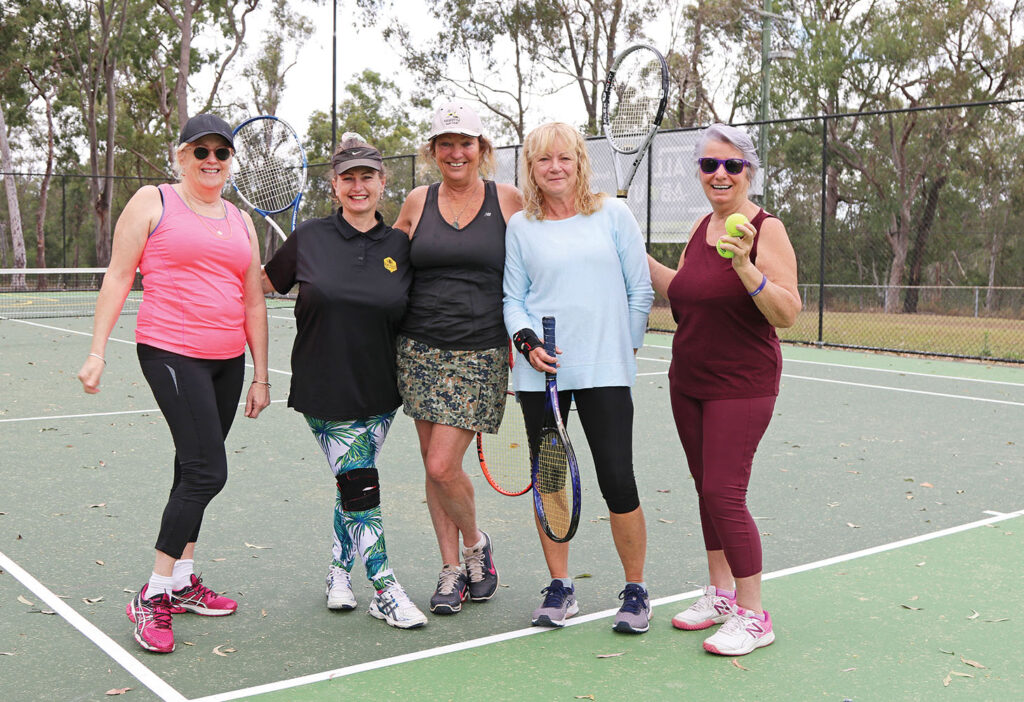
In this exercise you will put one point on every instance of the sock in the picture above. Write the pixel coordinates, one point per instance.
(566, 582)
(640, 584)
(182, 573)
(159, 585)
(756, 615)
(476, 547)
(731, 594)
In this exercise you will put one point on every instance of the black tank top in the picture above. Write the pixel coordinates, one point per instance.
(456, 298)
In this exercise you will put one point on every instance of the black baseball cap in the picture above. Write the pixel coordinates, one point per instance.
(355, 156)
(201, 125)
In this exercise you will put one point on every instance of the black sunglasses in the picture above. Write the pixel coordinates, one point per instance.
(222, 153)
(733, 166)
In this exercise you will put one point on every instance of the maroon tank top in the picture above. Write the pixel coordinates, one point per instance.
(723, 348)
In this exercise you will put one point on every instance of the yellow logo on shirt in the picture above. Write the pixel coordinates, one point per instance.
(390, 264)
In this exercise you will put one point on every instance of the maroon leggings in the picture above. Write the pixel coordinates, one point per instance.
(720, 438)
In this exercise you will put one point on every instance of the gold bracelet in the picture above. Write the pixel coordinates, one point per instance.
(96, 355)
(261, 382)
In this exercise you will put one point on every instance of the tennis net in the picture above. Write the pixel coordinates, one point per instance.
(38, 293)
(35, 293)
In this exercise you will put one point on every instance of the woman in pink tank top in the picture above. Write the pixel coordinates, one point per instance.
(202, 304)
(728, 295)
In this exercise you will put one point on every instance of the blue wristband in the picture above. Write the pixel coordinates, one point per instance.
(764, 281)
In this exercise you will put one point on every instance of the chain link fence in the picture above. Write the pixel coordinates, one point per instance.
(906, 223)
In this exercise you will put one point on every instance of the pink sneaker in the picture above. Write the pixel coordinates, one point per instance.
(712, 608)
(199, 599)
(152, 618)
(741, 634)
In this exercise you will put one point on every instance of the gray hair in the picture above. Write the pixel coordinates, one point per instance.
(734, 137)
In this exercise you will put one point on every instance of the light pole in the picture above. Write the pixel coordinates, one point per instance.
(767, 16)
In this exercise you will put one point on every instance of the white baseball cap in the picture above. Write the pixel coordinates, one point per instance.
(455, 118)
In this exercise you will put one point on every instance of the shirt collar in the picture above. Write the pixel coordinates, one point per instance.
(350, 232)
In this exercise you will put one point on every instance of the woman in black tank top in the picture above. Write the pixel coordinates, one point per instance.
(452, 352)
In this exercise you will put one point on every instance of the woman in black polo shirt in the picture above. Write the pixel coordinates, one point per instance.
(353, 275)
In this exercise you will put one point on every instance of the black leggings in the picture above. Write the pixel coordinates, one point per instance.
(199, 399)
(606, 415)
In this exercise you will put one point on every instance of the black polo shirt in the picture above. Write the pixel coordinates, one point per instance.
(353, 290)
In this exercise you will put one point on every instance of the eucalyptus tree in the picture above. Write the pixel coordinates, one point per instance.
(889, 170)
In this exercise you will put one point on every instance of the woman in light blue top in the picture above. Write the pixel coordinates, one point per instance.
(576, 256)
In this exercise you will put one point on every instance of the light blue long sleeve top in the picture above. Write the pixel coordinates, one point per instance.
(590, 273)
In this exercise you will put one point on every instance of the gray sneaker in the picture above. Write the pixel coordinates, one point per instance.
(559, 605)
(452, 590)
(483, 576)
(635, 614)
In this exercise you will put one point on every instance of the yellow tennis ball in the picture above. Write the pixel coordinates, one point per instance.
(734, 220)
(731, 222)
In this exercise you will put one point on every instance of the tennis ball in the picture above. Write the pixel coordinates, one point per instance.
(731, 222)
(734, 220)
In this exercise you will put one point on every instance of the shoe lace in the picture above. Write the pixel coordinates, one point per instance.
(159, 611)
(474, 564)
(397, 594)
(632, 599)
(201, 589)
(338, 575)
(446, 581)
(556, 595)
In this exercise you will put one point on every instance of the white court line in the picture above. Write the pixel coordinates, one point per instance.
(899, 372)
(106, 644)
(96, 414)
(908, 390)
(576, 621)
(865, 368)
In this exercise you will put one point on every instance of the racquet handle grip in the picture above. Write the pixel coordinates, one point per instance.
(549, 334)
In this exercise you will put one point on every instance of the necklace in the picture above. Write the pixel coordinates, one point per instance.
(469, 199)
(216, 232)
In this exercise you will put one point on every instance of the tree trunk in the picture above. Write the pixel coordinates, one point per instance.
(923, 228)
(14, 212)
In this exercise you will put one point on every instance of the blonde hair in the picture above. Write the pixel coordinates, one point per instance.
(540, 141)
(488, 162)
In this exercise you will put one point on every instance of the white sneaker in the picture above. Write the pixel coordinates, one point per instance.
(393, 606)
(709, 610)
(339, 589)
(741, 634)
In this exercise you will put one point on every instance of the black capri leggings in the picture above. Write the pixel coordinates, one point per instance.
(199, 398)
(606, 415)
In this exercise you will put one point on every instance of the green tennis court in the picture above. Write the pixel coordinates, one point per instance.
(886, 490)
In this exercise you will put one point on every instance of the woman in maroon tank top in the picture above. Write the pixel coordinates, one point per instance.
(724, 378)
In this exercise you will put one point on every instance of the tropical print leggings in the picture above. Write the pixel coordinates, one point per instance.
(351, 445)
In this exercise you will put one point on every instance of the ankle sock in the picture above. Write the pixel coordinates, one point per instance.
(182, 573)
(159, 585)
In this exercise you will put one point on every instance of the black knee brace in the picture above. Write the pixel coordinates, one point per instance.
(359, 489)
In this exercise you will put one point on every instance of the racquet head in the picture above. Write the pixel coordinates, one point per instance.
(270, 165)
(634, 98)
(505, 456)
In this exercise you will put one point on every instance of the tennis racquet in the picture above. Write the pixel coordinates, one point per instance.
(556, 479)
(634, 99)
(270, 167)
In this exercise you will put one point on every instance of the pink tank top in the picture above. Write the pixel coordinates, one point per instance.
(723, 347)
(193, 274)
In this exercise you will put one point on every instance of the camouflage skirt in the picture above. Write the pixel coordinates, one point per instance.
(464, 389)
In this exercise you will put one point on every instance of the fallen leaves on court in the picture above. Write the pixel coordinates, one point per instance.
(117, 691)
(222, 651)
(611, 655)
